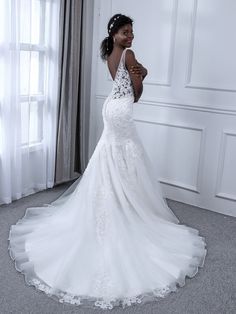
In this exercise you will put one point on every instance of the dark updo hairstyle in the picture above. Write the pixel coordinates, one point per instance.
(115, 23)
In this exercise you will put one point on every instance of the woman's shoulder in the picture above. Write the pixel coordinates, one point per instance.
(129, 52)
(129, 56)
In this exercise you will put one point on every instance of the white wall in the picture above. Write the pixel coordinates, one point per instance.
(187, 114)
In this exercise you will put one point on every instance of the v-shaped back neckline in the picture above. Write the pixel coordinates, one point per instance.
(121, 57)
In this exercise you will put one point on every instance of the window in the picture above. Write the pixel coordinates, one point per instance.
(29, 33)
(32, 70)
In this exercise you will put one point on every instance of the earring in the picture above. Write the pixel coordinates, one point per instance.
(114, 40)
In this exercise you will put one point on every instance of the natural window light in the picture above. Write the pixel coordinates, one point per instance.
(32, 70)
(29, 46)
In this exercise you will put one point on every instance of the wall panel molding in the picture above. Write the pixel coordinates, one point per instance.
(182, 185)
(183, 106)
(220, 168)
(168, 82)
(191, 44)
(188, 79)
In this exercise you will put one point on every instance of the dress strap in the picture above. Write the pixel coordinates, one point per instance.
(123, 56)
(121, 62)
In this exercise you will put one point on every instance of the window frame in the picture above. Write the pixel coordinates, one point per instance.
(39, 97)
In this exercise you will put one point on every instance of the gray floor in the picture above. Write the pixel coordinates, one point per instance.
(211, 291)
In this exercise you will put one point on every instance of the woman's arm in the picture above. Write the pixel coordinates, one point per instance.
(139, 69)
(130, 62)
(143, 70)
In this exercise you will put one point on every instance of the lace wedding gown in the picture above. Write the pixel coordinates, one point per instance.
(111, 239)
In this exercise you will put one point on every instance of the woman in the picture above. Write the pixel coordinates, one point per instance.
(111, 239)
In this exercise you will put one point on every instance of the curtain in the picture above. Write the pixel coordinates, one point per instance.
(83, 116)
(68, 140)
(28, 96)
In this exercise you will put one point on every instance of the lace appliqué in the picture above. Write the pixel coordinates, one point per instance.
(101, 195)
(102, 212)
(126, 155)
(107, 301)
(103, 285)
(133, 151)
(122, 85)
(40, 286)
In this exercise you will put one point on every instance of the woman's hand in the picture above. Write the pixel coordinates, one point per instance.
(135, 71)
(138, 70)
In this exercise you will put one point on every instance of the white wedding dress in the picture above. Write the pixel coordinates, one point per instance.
(111, 239)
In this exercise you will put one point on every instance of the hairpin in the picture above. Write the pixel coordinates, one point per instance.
(112, 24)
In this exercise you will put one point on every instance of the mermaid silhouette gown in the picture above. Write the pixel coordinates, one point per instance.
(112, 239)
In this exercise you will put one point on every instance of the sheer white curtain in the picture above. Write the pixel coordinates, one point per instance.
(29, 33)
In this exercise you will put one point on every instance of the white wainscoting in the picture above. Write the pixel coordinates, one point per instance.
(186, 117)
(226, 172)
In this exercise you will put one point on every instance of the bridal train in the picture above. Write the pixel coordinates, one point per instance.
(111, 239)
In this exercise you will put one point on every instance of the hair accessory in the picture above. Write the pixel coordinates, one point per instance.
(112, 24)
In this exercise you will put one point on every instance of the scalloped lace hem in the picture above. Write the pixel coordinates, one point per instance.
(110, 301)
(105, 303)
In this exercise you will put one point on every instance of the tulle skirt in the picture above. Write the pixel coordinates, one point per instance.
(111, 239)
